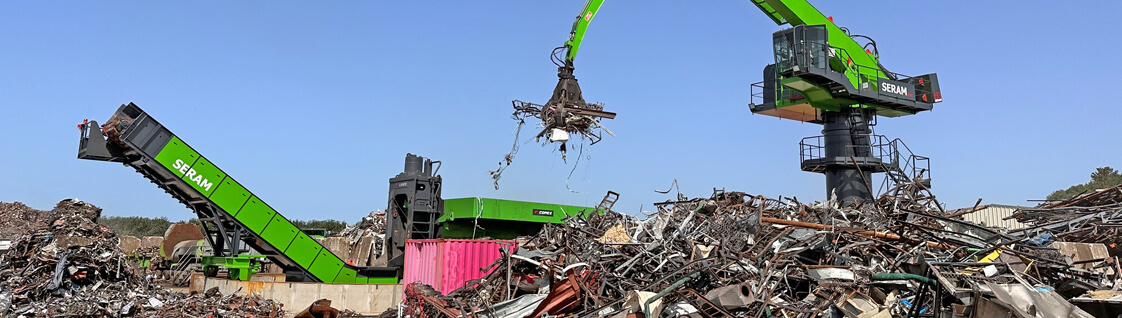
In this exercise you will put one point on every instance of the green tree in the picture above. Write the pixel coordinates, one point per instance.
(1102, 178)
(138, 226)
(332, 226)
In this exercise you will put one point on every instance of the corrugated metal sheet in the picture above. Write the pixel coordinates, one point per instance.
(992, 216)
(421, 263)
(446, 264)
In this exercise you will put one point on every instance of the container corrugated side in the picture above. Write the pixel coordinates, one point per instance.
(446, 264)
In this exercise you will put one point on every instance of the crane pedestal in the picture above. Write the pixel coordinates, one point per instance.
(845, 154)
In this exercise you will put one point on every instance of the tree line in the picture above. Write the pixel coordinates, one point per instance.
(1102, 178)
(156, 226)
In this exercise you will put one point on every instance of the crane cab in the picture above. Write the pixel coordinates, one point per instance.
(810, 76)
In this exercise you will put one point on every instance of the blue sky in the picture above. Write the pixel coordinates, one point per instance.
(313, 105)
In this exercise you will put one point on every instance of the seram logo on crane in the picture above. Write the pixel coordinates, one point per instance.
(895, 89)
(190, 174)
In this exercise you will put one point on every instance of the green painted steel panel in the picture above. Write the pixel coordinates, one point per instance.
(255, 215)
(346, 276)
(204, 176)
(177, 156)
(303, 250)
(382, 280)
(361, 280)
(326, 267)
(496, 229)
(486, 208)
(230, 196)
(463, 208)
(280, 232)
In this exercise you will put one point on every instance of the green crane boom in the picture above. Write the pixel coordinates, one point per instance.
(579, 28)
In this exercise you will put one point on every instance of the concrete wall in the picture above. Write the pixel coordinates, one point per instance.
(129, 243)
(338, 245)
(360, 254)
(151, 241)
(364, 299)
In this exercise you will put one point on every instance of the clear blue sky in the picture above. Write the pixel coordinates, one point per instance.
(313, 105)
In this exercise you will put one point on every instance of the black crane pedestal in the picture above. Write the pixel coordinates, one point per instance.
(844, 154)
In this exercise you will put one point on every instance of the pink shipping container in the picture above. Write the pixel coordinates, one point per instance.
(446, 264)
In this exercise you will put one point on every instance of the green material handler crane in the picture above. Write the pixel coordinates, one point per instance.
(823, 74)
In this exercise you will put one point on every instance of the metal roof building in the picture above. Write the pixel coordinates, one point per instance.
(993, 214)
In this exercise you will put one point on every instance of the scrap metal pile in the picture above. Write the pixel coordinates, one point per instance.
(1092, 218)
(739, 255)
(371, 230)
(17, 218)
(72, 266)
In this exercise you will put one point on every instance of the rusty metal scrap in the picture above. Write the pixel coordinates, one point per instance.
(319, 309)
(17, 219)
(373, 227)
(582, 119)
(566, 113)
(70, 266)
(740, 255)
(1094, 218)
(1100, 197)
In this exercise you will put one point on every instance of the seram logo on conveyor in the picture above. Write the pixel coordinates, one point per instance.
(190, 174)
(543, 212)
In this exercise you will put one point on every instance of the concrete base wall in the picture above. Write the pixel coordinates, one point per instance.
(360, 254)
(362, 298)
